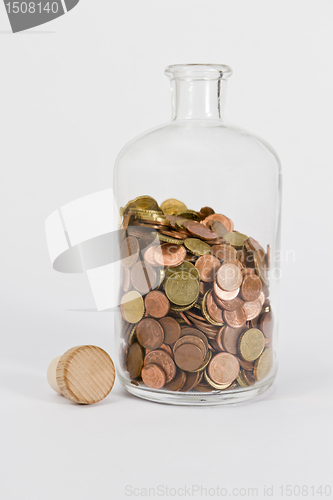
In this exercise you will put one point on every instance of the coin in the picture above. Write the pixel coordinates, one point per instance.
(199, 230)
(129, 251)
(131, 307)
(149, 333)
(230, 338)
(204, 363)
(260, 265)
(223, 295)
(192, 379)
(177, 383)
(224, 252)
(236, 318)
(189, 330)
(252, 309)
(229, 277)
(251, 287)
(157, 304)
(188, 357)
(251, 343)
(164, 361)
(143, 277)
(267, 324)
(207, 265)
(223, 368)
(228, 224)
(168, 239)
(171, 329)
(263, 365)
(252, 245)
(153, 376)
(178, 235)
(169, 255)
(206, 211)
(218, 228)
(197, 247)
(181, 289)
(172, 206)
(191, 339)
(142, 203)
(235, 238)
(229, 305)
(149, 256)
(220, 387)
(214, 312)
(134, 360)
(189, 215)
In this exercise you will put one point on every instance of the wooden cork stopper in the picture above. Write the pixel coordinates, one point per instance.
(84, 374)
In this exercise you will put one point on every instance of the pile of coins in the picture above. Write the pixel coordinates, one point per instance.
(194, 299)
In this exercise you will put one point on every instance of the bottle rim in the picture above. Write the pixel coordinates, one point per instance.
(197, 71)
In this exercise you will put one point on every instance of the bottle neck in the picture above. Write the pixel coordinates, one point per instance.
(198, 99)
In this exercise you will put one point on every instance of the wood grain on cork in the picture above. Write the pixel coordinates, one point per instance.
(85, 374)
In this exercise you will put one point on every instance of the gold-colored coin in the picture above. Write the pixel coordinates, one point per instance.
(184, 267)
(168, 239)
(132, 336)
(241, 380)
(197, 247)
(205, 313)
(251, 344)
(181, 289)
(189, 215)
(263, 365)
(172, 206)
(175, 308)
(132, 307)
(220, 387)
(235, 239)
(144, 203)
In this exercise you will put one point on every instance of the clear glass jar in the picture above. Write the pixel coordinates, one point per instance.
(201, 259)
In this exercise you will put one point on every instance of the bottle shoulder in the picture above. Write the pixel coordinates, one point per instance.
(189, 138)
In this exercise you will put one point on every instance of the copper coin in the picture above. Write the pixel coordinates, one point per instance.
(199, 230)
(207, 265)
(153, 376)
(134, 360)
(195, 314)
(223, 368)
(245, 258)
(185, 318)
(246, 365)
(223, 295)
(157, 304)
(224, 252)
(228, 224)
(208, 329)
(252, 245)
(192, 339)
(230, 305)
(248, 270)
(262, 298)
(180, 235)
(164, 361)
(188, 357)
(166, 348)
(251, 287)
(147, 242)
(229, 277)
(260, 265)
(149, 333)
(230, 338)
(236, 318)
(177, 382)
(213, 310)
(143, 277)
(171, 330)
(218, 339)
(252, 309)
(268, 257)
(267, 324)
(169, 255)
(149, 256)
(206, 211)
(186, 330)
(192, 379)
(129, 251)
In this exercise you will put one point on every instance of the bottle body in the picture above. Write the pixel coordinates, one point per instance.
(224, 187)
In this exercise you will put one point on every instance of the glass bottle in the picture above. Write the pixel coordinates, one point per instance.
(204, 257)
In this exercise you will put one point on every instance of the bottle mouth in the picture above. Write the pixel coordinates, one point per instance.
(198, 71)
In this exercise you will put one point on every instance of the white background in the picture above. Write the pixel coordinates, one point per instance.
(73, 92)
